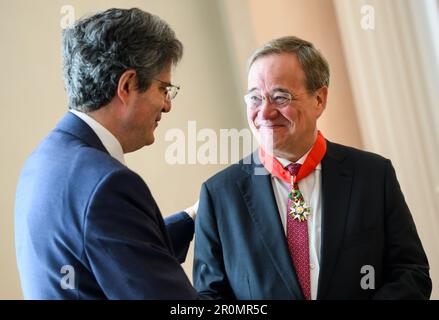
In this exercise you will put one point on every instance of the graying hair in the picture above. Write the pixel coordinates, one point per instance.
(98, 49)
(314, 65)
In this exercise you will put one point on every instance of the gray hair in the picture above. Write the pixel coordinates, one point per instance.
(98, 49)
(314, 65)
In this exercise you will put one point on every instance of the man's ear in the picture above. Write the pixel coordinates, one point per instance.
(321, 96)
(127, 85)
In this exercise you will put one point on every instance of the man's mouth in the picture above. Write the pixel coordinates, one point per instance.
(269, 125)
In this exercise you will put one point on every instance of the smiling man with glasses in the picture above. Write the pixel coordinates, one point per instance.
(323, 221)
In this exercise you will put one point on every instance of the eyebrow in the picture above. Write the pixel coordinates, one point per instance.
(277, 89)
(168, 84)
(280, 89)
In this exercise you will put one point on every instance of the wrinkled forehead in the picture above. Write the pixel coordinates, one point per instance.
(276, 70)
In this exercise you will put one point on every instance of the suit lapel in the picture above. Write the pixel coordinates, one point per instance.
(336, 189)
(257, 192)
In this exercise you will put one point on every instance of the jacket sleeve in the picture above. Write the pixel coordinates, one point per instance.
(126, 243)
(406, 269)
(180, 228)
(209, 275)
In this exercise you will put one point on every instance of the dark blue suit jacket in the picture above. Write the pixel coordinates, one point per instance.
(241, 250)
(85, 220)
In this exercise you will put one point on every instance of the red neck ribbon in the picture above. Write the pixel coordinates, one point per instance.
(312, 160)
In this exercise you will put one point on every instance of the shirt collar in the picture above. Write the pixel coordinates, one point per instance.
(109, 141)
(285, 162)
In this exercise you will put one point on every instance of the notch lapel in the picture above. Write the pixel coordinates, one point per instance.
(336, 191)
(257, 192)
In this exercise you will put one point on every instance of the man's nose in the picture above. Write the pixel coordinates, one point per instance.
(167, 106)
(267, 110)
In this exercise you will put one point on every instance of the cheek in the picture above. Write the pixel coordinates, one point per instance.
(251, 115)
(289, 115)
(144, 115)
(149, 113)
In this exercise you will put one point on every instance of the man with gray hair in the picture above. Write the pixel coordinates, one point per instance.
(317, 220)
(86, 226)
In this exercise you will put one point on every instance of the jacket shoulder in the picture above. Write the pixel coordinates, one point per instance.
(234, 171)
(357, 155)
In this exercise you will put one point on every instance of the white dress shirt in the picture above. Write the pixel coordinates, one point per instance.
(310, 188)
(109, 141)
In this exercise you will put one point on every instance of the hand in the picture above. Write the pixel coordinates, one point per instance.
(192, 211)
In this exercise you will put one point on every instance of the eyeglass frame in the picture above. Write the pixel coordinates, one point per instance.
(169, 88)
(288, 95)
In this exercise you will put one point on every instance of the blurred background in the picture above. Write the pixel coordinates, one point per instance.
(384, 59)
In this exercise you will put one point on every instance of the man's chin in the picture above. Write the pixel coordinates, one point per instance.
(269, 138)
(269, 144)
(150, 141)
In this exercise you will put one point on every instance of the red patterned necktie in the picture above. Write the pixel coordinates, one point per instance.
(298, 243)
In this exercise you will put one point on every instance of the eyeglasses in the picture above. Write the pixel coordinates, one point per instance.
(171, 90)
(255, 99)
